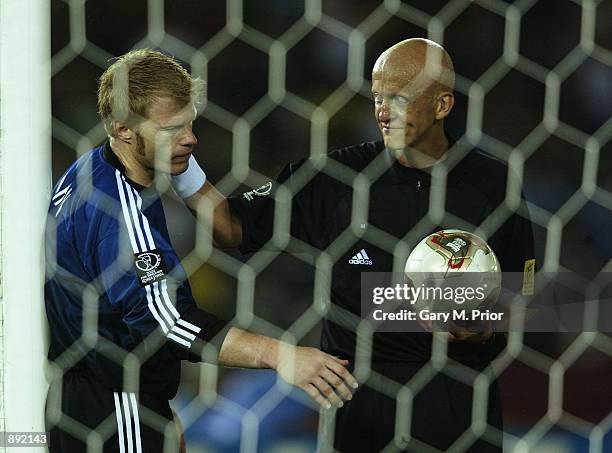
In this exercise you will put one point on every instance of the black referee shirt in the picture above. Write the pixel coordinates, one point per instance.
(399, 202)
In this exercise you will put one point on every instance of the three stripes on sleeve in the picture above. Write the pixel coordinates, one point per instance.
(141, 239)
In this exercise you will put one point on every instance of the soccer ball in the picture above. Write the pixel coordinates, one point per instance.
(456, 270)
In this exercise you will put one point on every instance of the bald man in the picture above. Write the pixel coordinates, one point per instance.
(412, 87)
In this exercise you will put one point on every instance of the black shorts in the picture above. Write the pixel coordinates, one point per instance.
(120, 422)
(441, 414)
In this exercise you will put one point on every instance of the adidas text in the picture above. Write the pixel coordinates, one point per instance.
(361, 258)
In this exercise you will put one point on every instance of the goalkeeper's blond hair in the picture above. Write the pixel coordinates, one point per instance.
(136, 79)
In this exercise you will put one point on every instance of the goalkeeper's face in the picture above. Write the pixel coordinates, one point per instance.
(165, 140)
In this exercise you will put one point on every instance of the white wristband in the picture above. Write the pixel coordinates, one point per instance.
(190, 181)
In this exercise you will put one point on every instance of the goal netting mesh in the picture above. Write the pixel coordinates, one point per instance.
(288, 79)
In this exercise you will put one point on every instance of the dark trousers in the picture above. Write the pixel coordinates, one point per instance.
(109, 421)
(441, 413)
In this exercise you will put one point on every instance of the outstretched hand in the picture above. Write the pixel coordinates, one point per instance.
(324, 377)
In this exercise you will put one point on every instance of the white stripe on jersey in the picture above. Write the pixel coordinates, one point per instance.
(169, 320)
(61, 181)
(154, 310)
(141, 239)
(130, 222)
(135, 217)
(124, 420)
(187, 324)
(162, 297)
(179, 340)
(60, 193)
(132, 397)
(145, 221)
(128, 423)
(118, 414)
(164, 289)
(126, 215)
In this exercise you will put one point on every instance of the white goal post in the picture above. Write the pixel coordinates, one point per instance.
(343, 43)
(25, 163)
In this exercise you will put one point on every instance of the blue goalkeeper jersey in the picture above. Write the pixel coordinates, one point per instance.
(115, 285)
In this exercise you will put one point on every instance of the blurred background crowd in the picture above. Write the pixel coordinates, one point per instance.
(237, 75)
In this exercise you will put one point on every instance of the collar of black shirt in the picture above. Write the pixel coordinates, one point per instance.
(400, 174)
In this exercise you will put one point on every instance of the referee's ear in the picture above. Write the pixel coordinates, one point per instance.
(444, 104)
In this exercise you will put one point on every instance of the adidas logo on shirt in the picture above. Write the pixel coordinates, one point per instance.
(361, 258)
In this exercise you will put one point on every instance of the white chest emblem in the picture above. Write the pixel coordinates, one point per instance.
(361, 258)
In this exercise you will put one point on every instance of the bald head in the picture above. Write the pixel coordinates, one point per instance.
(419, 62)
(412, 86)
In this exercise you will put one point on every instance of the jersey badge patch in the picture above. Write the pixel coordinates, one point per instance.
(259, 192)
(149, 267)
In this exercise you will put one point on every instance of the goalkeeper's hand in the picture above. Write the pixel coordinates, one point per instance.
(324, 377)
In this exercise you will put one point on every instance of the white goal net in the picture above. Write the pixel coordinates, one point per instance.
(289, 79)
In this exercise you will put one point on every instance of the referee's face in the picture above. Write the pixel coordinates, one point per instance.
(165, 140)
(403, 105)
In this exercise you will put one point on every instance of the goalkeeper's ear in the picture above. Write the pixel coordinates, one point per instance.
(122, 132)
(444, 104)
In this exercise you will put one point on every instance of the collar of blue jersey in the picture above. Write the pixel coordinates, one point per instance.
(400, 174)
(110, 157)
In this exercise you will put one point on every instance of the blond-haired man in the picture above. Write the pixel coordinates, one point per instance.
(119, 305)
